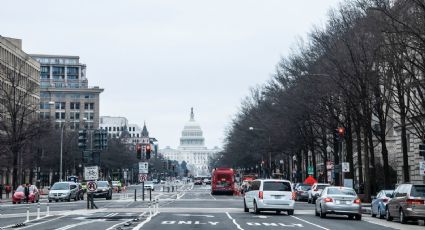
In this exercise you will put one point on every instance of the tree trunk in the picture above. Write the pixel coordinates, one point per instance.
(366, 183)
(372, 180)
(349, 145)
(359, 156)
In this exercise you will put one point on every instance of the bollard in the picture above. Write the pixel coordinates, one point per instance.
(150, 194)
(150, 208)
(157, 205)
(48, 210)
(143, 191)
(135, 194)
(38, 210)
(28, 214)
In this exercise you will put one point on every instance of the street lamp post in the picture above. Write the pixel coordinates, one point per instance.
(269, 149)
(51, 103)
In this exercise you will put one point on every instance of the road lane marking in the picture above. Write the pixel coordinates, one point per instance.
(42, 222)
(139, 226)
(120, 223)
(212, 196)
(310, 223)
(234, 221)
(210, 216)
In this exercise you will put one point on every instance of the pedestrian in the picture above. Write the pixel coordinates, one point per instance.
(8, 190)
(27, 192)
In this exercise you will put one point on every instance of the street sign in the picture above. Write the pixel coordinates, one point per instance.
(422, 168)
(310, 170)
(91, 186)
(345, 167)
(337, 168)
(142, 177)
(91, 173)
(143, 167)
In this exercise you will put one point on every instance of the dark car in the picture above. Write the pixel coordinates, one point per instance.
(301, 192)
(104, 190)
(407, 203)
(198, 181)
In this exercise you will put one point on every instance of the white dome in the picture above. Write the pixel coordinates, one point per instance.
(192, 134)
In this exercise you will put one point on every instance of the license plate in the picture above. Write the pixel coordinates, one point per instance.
(278, 196)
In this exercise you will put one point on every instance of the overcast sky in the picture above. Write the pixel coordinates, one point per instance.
(157, 59)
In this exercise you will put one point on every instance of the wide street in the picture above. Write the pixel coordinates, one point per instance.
(191, 207)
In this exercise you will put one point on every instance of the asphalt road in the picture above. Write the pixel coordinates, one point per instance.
(191, 207)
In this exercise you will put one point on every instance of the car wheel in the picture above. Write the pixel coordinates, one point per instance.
(76, 198)
(256, 210)
(13, 202)
(290, 212)
(403, 218)
(388, 216)
(245, 209)
(358, 217)
(350, 217)
(69, 198)
(371, 212)
(322, 214)
(50, 201)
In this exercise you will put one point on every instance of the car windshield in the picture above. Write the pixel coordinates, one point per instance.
(418, 190)
(20, 189)
(305, 187)
(102, 184)
(115, 182)
(60, 186)
(277, 186)
(341, 191)
(148, 182)
(388, 193)
(321, 186)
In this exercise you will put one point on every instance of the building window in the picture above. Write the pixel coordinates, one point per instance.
(137, 135)
(89, 116)
(89, 106)
(114, 128)
(60, 105)
(60, 115)
(110, 129)
(75, 105)
(44, 115)
(74, 115)
(44, 105)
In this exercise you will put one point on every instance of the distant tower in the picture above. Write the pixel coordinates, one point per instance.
(145, 132)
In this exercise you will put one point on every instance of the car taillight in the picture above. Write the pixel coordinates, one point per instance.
(328, 199)
(385, 200)
(357, 201)
(414, 201)
(294, 195)
(260, 195)
(316, 190)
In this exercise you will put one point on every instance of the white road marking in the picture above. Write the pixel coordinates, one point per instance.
(42, 222)
(210, 216)
(261, 217)
(234, 221)
(139, 226)
(212, 196)
(78, 224)
(114, 226)
(310, 223)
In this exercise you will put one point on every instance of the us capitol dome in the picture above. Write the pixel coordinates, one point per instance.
(192, 149)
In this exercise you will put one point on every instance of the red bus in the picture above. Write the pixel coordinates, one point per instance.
(222, 181)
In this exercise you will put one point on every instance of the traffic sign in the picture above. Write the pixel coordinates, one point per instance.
(329, 165)
(143, 167)
(310, 170)
(142, 177)
(422, 168)
(345, 167)
(91, 173)
(91, 186)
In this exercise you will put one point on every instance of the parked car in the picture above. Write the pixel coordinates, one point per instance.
(315, 191)
(407, 203)
(61, 191)
(149, 185)
(104, 190)
(339, 201)
(19, 195)
(198, 181)
(116, 185)
(270, 195)
(379, 203)
(207, 180)
(301, 192)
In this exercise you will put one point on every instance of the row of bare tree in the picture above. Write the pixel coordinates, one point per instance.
(363, 71)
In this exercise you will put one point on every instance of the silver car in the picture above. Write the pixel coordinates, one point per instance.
(339, 201)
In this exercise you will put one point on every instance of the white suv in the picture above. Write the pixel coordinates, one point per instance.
(270, 195)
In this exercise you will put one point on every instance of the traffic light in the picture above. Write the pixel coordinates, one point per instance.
(82, 139)
(341, 132)
(422, 150)
(148, 152)
(139, 151)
